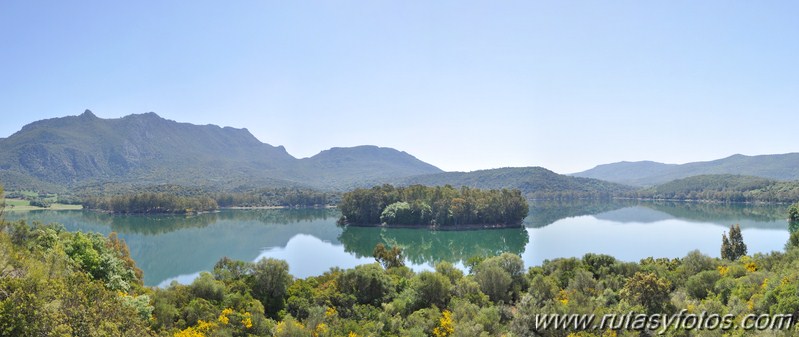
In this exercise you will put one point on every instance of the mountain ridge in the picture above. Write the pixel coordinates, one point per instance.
(782, 167)
(148, 149)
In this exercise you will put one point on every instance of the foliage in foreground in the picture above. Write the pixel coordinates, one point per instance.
(57, 283)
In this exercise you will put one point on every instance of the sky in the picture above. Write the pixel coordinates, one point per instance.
(463, 85)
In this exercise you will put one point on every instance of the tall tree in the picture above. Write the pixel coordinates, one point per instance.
(270, 283)
(733, 248)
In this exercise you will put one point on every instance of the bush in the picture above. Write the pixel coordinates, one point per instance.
(367, 284)
(700, 285)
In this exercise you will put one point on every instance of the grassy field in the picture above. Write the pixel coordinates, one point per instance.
(13, 205)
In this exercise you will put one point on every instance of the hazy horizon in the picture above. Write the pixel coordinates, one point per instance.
(461, 85)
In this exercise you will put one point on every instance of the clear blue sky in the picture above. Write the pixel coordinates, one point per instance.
(463, 85)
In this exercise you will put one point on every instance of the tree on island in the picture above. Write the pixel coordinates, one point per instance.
(418, 205)
(733, 248)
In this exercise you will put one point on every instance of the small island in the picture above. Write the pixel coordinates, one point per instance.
(439, 207)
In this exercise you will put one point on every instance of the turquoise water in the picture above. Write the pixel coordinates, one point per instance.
(177, 248)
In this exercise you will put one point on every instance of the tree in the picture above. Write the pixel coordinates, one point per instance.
(648, 290)
(228, 270)
(733, 248)
(494, 281)
(700, 285)
(501, 277)
(270, 283)
(388, 258)
(793, 212)
(368, 284)
(432, 289)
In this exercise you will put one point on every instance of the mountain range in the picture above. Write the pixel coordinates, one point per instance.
(144, 149)
(648, 173)
(67, 153)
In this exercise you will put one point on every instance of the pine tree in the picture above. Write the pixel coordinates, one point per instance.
(734, 247)
(726, 249)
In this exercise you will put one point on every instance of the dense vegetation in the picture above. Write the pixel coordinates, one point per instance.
(445, 206)
(793, 213)
(57, 283)
(277, 197)
(180, 199)
(724, 188)
(238, 197)
(151, 203)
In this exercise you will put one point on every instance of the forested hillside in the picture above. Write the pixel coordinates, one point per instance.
(533, 182)
(725, 188)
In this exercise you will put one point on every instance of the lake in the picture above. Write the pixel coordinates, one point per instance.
(177, 248)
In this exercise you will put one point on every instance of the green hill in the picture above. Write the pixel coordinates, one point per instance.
(724, 187)
(534, 182)
(359, 166)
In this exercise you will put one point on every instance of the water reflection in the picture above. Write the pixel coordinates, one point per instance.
(175, 247)
(748, 215)
(429, 247)
(545, 213)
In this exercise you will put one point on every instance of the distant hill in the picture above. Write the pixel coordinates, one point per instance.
(724, 187)
(144, 149)
(534, 182)
(647, 173)
(361, 165)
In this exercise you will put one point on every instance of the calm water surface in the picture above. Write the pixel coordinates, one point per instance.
(177, 248)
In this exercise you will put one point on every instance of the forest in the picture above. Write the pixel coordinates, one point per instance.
(180, 199)
(722, 188)
(440, 206)
(151, 203)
